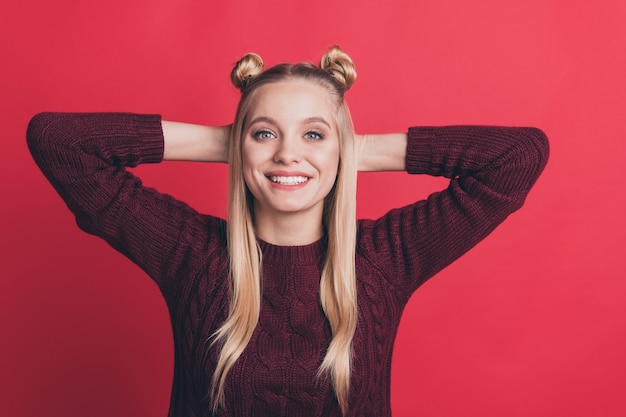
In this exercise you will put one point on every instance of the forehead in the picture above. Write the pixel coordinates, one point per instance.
(291, 100)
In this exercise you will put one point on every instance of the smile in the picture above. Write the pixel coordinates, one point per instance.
(292, 180)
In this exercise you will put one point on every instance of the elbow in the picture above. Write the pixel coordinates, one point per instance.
(527, 156)
(538, 148)
(47, 134)
(38, 133)
(520, 167)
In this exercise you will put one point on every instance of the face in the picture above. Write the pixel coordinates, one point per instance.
(290, 149)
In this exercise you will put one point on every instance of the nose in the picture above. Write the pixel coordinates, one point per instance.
(288, 151)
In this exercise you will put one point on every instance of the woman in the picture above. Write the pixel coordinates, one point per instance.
(291, 307)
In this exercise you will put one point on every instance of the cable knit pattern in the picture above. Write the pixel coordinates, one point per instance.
(84, 156)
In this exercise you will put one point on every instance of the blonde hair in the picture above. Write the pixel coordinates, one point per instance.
(338, 293)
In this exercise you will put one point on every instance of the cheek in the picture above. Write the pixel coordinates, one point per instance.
(251, 181)
(247, 177)
(247, 164)
(331, 167)
(249, 158)
(246, 154)
(333, 161)
(333, 164)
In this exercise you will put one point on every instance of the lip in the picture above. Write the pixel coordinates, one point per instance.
(287, 174)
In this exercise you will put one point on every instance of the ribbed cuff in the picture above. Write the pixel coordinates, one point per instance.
(149, 142)
(419, 149)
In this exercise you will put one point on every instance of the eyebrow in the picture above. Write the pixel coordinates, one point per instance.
(266, 119)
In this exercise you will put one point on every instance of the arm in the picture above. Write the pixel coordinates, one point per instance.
(85, 156)
(189, 142)
(382, 152)
(491, 170)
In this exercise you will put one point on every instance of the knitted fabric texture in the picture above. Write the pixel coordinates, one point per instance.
(85, 156)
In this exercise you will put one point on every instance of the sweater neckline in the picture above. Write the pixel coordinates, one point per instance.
(310, 254)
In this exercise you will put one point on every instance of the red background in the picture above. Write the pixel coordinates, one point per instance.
(529, 323)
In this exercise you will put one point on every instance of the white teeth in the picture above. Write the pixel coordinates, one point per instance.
(288, 180)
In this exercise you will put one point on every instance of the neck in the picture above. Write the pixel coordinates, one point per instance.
(289, 229)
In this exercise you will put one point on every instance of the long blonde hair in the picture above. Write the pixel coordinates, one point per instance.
(338, 293)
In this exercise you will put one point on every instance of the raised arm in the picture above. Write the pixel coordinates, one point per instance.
(491, 170)
(85, 157)
(381, 152)
(190, 142)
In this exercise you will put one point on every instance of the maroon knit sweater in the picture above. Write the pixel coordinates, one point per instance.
(84, 156)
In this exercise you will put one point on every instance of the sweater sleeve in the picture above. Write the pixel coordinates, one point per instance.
(491, 170)
(85, 156)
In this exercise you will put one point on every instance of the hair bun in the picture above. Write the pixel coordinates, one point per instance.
(246, 69)
(340, 66)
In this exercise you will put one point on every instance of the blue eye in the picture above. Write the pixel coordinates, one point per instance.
(263, 135)
(314, 135)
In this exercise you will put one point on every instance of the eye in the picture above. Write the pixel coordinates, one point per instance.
(314, 135)
(263, 134)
